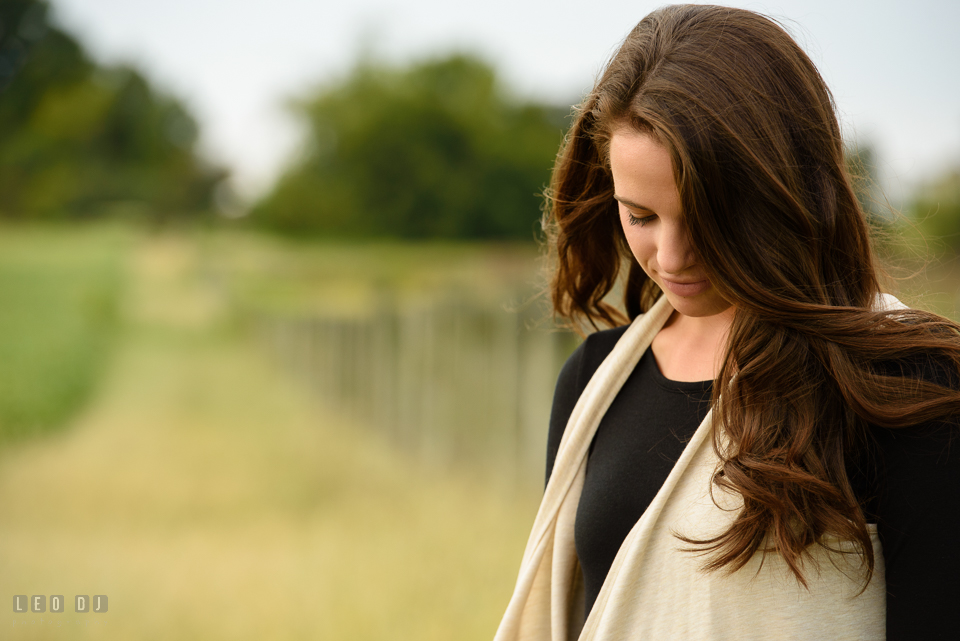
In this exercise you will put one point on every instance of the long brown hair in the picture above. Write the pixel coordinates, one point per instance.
(759, 164)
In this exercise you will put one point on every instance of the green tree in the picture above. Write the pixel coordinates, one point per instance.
(75, 136)
(437, 149)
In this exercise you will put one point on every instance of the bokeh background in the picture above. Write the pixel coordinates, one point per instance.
(274, 362)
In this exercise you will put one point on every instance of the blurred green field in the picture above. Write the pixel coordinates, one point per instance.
(921, 271)
(208, 494)
(211, 497)
(283, 275)
(59, 291)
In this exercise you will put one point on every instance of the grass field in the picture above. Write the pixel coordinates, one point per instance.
(59, 291)
(208, 495)
(290, 276)
(210, 498)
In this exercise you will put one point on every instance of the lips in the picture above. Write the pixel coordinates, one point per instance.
(687, 289)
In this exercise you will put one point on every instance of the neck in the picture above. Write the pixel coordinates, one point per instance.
(690, 348)
(697, 328)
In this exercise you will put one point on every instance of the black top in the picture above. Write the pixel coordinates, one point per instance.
(909, 484)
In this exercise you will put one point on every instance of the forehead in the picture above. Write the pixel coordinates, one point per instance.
(642, 169)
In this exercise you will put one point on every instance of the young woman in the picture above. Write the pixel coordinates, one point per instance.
(767, 450)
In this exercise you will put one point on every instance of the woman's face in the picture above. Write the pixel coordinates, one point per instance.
(652, 220)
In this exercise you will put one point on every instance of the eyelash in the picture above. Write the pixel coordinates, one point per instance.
(634, 220)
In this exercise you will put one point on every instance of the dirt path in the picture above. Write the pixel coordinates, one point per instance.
(209, 498)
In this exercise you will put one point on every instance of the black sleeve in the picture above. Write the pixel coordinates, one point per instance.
(564, 399)
(918, 517)
(573, 379)
(919, 528)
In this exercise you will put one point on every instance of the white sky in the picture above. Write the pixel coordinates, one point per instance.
(892, 64)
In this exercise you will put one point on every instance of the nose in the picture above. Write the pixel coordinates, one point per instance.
(675, 250)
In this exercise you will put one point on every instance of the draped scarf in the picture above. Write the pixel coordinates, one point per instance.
(656, 588)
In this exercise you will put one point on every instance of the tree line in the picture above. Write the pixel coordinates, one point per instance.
(78, 138)
(437, 148)
(434, 149)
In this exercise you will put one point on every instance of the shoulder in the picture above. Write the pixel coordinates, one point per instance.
(585, 360)
(916, 453)
(573, 378)
(919, 464)
(929, 368)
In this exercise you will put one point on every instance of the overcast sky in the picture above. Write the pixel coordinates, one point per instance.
(892, 65)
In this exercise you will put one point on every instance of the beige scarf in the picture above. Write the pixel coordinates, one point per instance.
(655, 590)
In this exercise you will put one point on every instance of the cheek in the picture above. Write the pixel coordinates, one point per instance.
(641, 244)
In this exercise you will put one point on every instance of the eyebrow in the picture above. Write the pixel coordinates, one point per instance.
(632, 204)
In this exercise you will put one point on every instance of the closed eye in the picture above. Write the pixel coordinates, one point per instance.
(638, 220)
(632, 219)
